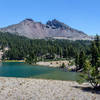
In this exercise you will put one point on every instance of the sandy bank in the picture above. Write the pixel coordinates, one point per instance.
(56, 64)
(38, 89)
(53, 63)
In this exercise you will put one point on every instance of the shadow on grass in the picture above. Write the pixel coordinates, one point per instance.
(88, 89)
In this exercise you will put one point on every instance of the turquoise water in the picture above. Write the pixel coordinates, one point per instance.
(18, 69)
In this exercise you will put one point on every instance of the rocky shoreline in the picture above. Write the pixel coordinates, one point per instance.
(53, 63)
(39, 89)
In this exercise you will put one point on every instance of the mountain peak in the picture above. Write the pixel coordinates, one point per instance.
(53, 29)
(57, 24)
(28, 19)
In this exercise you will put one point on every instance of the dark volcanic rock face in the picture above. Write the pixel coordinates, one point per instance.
(56, 24)
(53, 29)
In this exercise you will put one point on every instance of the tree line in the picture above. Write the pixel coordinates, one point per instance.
(40, 49)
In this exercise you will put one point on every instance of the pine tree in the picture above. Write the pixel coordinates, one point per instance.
(97, 41)
(95, 50)
(90, 74)
(77, 61)
(82, 58)
(63, 65)
(91, 71)
(95, 54)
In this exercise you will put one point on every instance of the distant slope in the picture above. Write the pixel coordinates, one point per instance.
(52, 29)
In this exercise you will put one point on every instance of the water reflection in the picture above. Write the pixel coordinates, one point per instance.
(0, 64)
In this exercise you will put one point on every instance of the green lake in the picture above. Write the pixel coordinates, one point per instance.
(22, 70)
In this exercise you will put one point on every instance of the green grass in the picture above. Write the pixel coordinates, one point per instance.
(13, 61)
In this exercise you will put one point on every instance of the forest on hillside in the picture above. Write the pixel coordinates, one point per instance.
(21, 47)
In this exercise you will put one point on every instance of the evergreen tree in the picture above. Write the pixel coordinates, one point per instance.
(97, 41)
(91, 72)
(82, 58)
(31, 59)
(63, 65)
(95, 54)
(95, 50)
(77, 61)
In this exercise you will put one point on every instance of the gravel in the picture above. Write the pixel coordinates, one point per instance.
(40, 89)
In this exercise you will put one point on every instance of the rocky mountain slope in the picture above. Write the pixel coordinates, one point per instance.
(52, 29)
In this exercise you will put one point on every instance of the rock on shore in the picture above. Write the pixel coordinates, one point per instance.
(39, 89)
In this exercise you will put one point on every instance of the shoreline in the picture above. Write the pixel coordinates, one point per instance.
(57, 64)
(13, 61)
(54, 64)
(41, 89)
(43, 63)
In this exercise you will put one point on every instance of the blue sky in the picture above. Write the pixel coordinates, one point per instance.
(80, 14)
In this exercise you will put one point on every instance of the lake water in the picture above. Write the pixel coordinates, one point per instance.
(18, 69)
